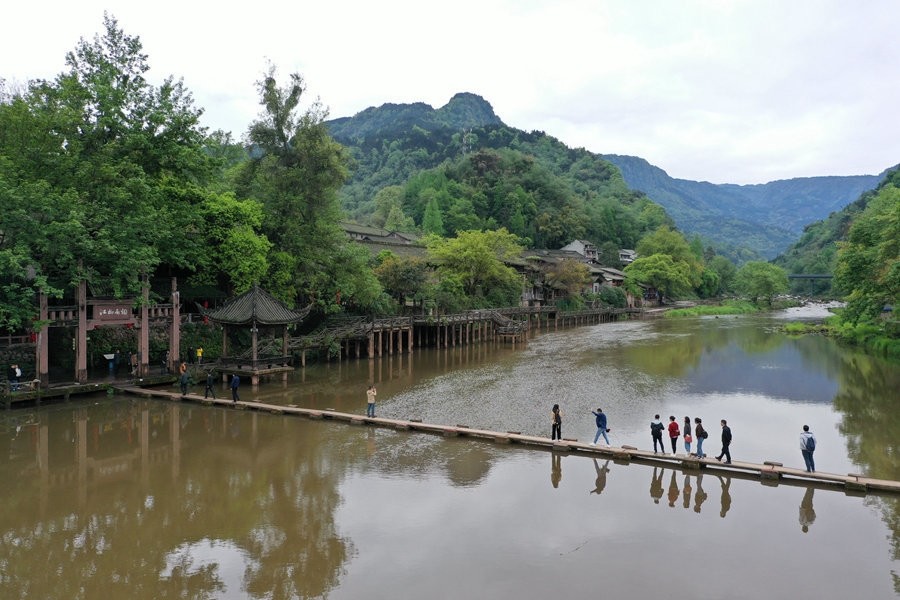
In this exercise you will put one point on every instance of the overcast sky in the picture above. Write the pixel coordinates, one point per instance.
(728, 91)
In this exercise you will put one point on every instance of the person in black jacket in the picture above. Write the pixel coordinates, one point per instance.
(726, 442)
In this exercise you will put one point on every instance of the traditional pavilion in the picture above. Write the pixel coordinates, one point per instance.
(255, 308)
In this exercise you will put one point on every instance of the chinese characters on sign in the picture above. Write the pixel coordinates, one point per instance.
(118, 312)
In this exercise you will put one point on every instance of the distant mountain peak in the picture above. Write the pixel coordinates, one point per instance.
(464, 110)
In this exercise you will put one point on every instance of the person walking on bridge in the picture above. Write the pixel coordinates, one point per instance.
(235, 382)
(601, 427)
(701, 436)
(210, 382)
(807, 447)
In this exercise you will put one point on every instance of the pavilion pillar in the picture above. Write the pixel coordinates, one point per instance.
(175, 329)
(43, 343)
(144, 340)
(81, 334)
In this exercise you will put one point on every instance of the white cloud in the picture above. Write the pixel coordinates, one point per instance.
(740, 91)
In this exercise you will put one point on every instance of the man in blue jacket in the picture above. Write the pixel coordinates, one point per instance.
(807, 447)
(601, 427)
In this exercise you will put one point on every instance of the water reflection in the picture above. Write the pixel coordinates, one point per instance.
(600, 482)
(555, 469)
(91, 482)
(807, 512)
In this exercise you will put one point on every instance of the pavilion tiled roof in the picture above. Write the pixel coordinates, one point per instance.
(257, 306)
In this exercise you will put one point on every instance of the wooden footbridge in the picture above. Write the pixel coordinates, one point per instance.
(769, 473)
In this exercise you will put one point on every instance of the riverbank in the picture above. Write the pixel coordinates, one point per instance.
(870, 337)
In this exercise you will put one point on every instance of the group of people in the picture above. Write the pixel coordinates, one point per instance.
(689, 433)
(698, 433)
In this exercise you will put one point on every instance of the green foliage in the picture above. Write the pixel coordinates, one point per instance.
(672, 278)
(613, 296)
(570, 275)
(726, 270)
(760, 280)
(432, 222)
(868, 265)
(99, 175)
(401, 277)
(296, 175)
(475, 259)
(728, 307)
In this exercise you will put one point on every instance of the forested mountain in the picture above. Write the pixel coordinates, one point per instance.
(764, 218)
(816, 250)
(480, 173)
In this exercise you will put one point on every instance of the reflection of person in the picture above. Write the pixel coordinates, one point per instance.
(600, 482)
(210, 381)
(656, 429)
(370, 401)
(807, 447)
(555, 469)
(656, 486)
(807, 513)
(674, 432)
(687, 491)
(673, 491)
(701, 436)
(601, 426)
(726, 442)
(556, 423)
(700, 496)
(235, 382)
(726, 495)
(686, 430)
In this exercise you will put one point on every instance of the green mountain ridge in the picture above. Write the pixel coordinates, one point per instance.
(391, 143)
(766, 218)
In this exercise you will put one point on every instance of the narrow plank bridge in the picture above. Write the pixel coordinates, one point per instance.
(769, 473)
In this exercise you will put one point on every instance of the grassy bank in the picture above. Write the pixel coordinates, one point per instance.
(875, 338)
(728, 307)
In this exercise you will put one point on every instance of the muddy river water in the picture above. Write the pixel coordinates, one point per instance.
(123, 498)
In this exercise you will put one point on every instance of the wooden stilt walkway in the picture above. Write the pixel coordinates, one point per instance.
(770, 472)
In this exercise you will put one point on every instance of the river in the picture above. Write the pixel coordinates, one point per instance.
(124, 498)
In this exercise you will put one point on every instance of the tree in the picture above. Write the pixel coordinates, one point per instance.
(401, 277)
(761, 280)
(100, 175)
(296, 173)
(670, 277)
(432, 221)
(476, 259)
(726, 270)
(868, 262)
(570, 275)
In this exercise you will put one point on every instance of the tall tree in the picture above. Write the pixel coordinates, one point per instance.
(100, 171)
(476, 259)
(759, 280)
(296, 172)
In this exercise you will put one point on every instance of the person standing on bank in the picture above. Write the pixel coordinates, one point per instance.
(370, 401)
(210, 382)
(200, 355)
(656, 429)
(556, 423)
(674, 432)
(235, 382)
(807, 447)
(687, 435)
(185, 380)
(701, 436)
(601, 427)
(726, 442)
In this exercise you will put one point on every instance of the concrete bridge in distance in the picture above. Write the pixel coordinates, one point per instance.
(810, 276)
